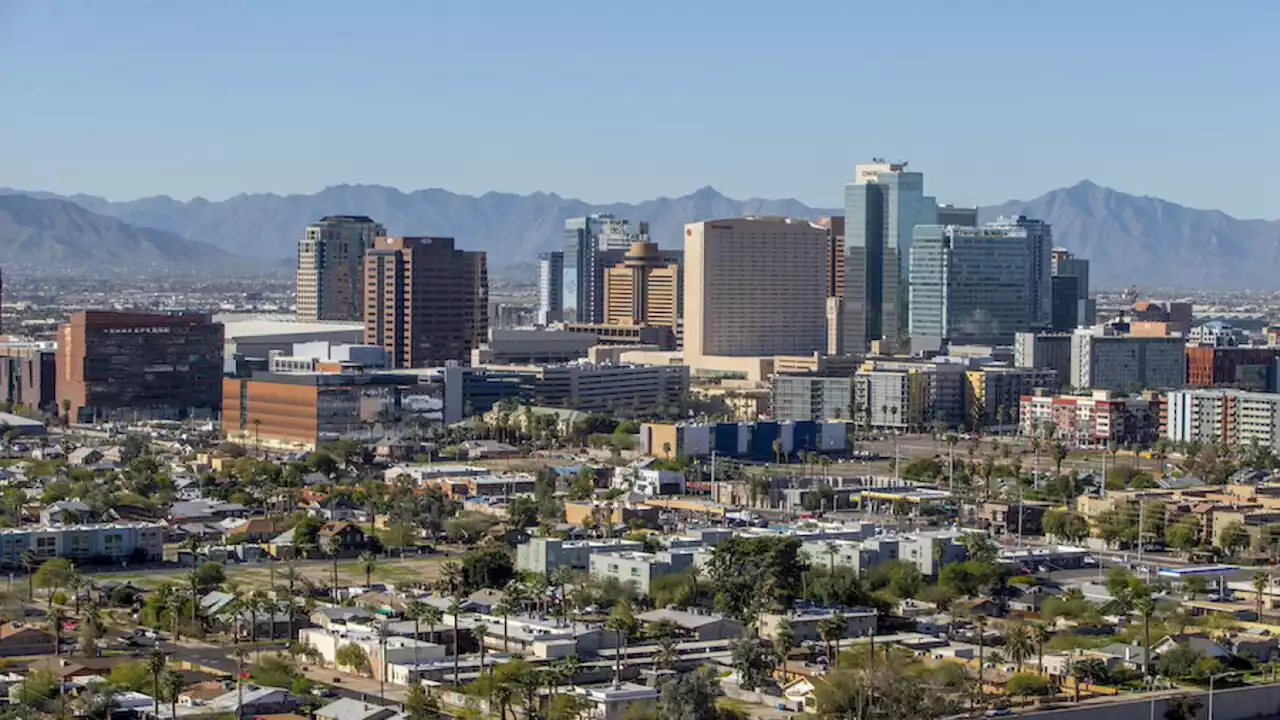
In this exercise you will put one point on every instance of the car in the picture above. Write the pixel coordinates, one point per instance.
(997, 712)
(1090, 560)
(322, 691)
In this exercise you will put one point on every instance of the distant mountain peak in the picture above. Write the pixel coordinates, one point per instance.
(1130, 239)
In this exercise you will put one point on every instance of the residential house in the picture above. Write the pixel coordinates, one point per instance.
(1203, 646)
(482, 449)
(84, 457)
(352, 709)
(204, 511)
(344, 537)
(21, 639)
(253, 530)
(64, 512)
(1118, 654)
(614, 702)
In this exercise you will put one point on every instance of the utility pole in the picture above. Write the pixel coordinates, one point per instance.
(1141, 508)
(951, 467)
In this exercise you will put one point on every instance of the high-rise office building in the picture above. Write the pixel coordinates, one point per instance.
(330, 281)
(1072, 306)
(882, 208)
(113, 365)
(550, 287)
(971, 285)
(1044, 350)
(962, 216)
(592, 244)
(754, 286)
(834, 225)
(643, 289)
(426, 302)
(1038, 235)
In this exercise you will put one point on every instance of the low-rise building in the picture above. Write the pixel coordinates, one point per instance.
(805, 622)
(812, 397)
(398, 649)
(909, 395)
(749, 440)
(1233, 417)
(699, 626)
(542, 555)
(617, 514)
(105, 543)
(994, 394)
(639, 569)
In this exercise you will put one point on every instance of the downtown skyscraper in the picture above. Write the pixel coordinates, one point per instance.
(592, 244)
(330, 274)
(883, 206)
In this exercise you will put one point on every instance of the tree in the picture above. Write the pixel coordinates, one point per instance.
(784, 641)
(1182, 536)
(54, 573)
(623, 624)
(156, 661)
(1146, 608)
(419, 704)
(831, 631)
(241, 655)
(57, 621)
(1177, 662)
(172, 686)
(752, 659)
(368, 563)
(1040, 635)
(291, 577)
(1234, 538)
(1018, 644)
(352, 656)
(1260, 581)
(1183, 707)
(751, 574)
(690, 697)
(28, 559)
(455, 613)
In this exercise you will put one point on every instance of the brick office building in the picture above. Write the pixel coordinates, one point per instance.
(118, 365)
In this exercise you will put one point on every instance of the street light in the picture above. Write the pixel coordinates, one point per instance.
(1213, 678)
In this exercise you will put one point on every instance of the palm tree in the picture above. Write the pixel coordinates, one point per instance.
(1040, 635)
(291, 577)
(1260, 581)
(829, 632)
(777, 451)
(415, 611)
(455, 609)
(982, 646)
(384, 633)
(156, 665)
(192, 579)
(784, 641)
(175, 612)
(559, 577)
(1018, 644)
(173, 685)
(29, 558)
(368, 563)
(1146, 607)
(622, 622)
(57, 619)
(505, 608)
(667, 654)
(480, 631)
(240, 655)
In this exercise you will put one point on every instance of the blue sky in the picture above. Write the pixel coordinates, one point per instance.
(632, 99)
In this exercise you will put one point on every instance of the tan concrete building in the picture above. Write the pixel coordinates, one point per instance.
(330, 277)
(643, 289)
(426, 302)
(754, 286)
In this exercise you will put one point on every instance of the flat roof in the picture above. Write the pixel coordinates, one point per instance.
(18, 421)
(1197, 570)
(245, 326)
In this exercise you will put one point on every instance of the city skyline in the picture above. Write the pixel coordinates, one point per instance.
(224, 90)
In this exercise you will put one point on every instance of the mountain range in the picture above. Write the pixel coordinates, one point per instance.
(44, 233)
(1132, 240)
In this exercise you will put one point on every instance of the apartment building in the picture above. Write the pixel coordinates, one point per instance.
(928, 551)
(94, 543)
(426, 302)
(755, 287)
(909, 394)
(639, 569)
(1234, 417)
(330, 274)
(1104, 359)
(542, 555)
(993, 397)
(114, 365)
(1095, 419)
(812, 397)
